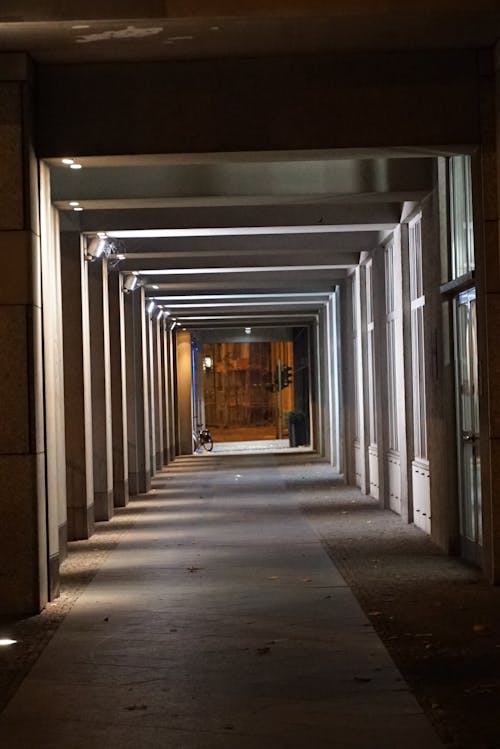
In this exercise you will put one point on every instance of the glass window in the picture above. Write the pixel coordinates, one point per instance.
(461, 219)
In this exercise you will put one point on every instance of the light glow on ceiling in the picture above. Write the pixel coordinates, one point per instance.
(242, 269)
(229, 231)
(289, 301)
(215, 297)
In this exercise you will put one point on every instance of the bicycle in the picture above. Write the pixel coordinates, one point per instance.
(202, 438)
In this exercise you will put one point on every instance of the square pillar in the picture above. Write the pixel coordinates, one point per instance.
(184, 392)
(157, 390)
(77, 388)
(137, 393)
(151, 391)
(118, 390)
(24, 573)
(55, 430)
(172, 402)
(165, 386)
(102, 447)
(486, 172)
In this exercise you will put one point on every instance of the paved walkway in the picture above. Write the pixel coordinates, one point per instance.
(218, 621)
(255, 447)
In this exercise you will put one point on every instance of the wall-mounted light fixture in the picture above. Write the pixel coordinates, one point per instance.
(248, 331)
(95, 248)
(207, 363)
(130, 283)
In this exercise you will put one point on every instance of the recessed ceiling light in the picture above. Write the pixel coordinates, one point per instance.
(67, 161)
(73, 203)
(78, 208)
(75, 166)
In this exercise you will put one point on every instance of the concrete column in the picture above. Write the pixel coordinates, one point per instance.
(131, 401)
(101, 389)
(402, 328)
(487, 235)
(118, 390)
(165, 388)
(153, 415)
(137, 393)
(158, 391)
(77, 388)
(337, 384)
(348, 389)
(55, 430)
(143, 393)
(24, 579)
(406, 426)
(322, 443)
(380, 357)
(184, 393)
(362, 380)
(172, 376)
(439, 373)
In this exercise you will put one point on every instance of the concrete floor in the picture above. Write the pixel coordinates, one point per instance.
(255, 447)
(218, 621)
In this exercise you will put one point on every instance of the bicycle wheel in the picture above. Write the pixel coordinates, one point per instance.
(207, 442)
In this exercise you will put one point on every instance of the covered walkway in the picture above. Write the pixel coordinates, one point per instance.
(217, 621)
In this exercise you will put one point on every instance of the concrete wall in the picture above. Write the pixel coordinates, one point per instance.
(321, 101)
